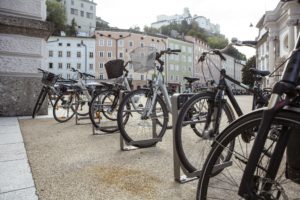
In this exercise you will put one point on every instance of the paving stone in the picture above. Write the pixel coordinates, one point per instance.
(12, 152)
(10, 138)
(8, 121)
(23, 194)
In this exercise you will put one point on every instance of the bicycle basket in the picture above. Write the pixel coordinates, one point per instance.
(49, 78)
(114, 68)
(143, 59)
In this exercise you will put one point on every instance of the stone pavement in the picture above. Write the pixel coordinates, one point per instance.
(16, 182)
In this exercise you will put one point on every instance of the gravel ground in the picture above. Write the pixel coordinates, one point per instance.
(68, 162)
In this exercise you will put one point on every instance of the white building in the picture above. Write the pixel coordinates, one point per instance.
(84, 13)
(64, 53)
(203, 22)
(278, 31)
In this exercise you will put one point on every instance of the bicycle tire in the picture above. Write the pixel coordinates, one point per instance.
(69, 106)
(210, 183)
(133, 100)
(189, 140)
(39, 102)
(97, 107)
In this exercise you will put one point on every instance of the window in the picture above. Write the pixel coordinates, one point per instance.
(68, 65)
(142, 44)
(91, 66)
(101, 42)
(91, 7)
(82, 13)
(101, 65)
(121, 43)
(89, 15)
(59, 44)
(171, 67)
(176, 78)
(74, 11)
(177, 67)
(60, 54)
(68, 44)
(101, 54)
(131, 43)
(50, 53)
(81, 5)
(142, 77)
(78, 65)
(68, 76)
(121, 54)
(50, 65)
(78, 45)
(91, 54)
(109, 54)
(101, 77)
(59, 65)
(72, 2)
(109, 43)
(171, 77)
(78, 54)
(68, 53)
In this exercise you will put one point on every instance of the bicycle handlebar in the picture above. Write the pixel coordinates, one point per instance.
(82, 73)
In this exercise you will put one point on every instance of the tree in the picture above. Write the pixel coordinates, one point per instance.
(56, 14)
(71, 30)
(150, 30)
(217, 42)
(247, 77)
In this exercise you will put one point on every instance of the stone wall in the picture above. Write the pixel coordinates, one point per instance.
(23, 35)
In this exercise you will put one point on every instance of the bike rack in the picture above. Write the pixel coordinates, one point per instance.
(177, 101)
(125, 146)
(79, 118)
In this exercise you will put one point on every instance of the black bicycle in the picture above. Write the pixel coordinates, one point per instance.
(48, 80)
(206, 114)
(266, 166)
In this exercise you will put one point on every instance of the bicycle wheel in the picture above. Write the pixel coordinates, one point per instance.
(225, 183)
(39, 101)
(65, 107)
(195, 129)
(83, 104)
(136, 128)
(103, 111)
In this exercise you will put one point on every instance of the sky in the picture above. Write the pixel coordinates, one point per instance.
(233, 16)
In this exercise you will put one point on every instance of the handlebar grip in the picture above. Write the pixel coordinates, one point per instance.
(175, 50)
(219, 54)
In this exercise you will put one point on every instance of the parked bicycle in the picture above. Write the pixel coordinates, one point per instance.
(203, 116)
(104, 106)
(266, 166)
(143, 114)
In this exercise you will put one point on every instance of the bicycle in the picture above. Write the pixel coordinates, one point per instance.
(48, 89)
(75, 98)
(146, 108)
(107, 101)
(267, 165)
(203, 116)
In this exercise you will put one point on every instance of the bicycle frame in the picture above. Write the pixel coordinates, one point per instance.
(287, 85)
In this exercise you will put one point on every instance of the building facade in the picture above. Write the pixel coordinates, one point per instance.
(84, 13)
(180, 65)
(23, 35)
(278, 31)
(64, 53)
(117, 44)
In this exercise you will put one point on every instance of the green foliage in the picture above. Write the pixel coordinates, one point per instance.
(56, 14)
(102, 25)
(150, 30)
(71, 30)
(232, 51)
(247, 77)
(217, 42)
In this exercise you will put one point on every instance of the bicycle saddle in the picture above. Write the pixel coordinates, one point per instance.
(259, 72)
(190, 79)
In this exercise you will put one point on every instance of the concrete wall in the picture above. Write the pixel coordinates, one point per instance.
(22, 42)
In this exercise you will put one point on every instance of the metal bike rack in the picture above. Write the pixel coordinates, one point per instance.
(125, 146)
(79, 118)
(177, 102)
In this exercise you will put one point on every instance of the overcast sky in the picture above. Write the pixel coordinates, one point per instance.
(233, 16)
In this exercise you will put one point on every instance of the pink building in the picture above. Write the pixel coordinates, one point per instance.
(112, 44)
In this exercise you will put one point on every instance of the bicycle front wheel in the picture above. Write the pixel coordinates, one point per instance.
(222, 179)
(137, 128)
(65, 107)
(39, 101)
(196, 128)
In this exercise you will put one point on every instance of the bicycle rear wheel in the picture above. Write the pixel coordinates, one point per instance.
(136, 128)
(40, 101)
(221, 179)
(195, 129)
(65, 107)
